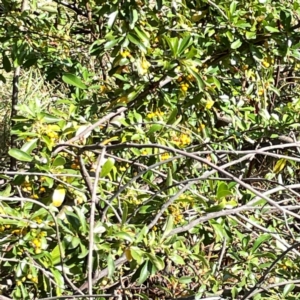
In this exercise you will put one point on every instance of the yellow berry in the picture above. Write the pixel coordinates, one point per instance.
(260, 92)
(35, 280)
(36, 243)
(42, 190)
(265, 64)
(38, 251)
(125, 53)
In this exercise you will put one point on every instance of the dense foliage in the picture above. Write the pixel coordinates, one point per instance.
(153, 149)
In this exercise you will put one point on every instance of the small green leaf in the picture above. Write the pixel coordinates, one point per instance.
(215, 208)
(59, 161)
(6, 191)
(259, 241)
(169, 180)
(47, 118)
(183, 44)
(173, 44)
(55, 254)
(20, 155)
(6, 63)
(222, 191)
(157, 261)
(110, 266)
(107, 167)
(134, 16)
(186, 279)
(112, 18)
(236, 44)
(169, 225)
(125, 213)
(137, 254)
(144, 273)
(29, 146)
(220, 233)
(172, 117)
(287, 289)
(200, 82)
(271, 29)
(154, 128)
(250, 35)
(73, 80)
(110, 44)
(124, 236)
(177, 259)
(135, 40)
(49, 7)
(232, 8)
(2, 78)
(59, 281)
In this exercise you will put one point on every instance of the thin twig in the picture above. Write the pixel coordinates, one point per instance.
(100, 163)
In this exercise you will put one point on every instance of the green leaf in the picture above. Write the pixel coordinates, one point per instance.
(124, 236)
(107, 167)
(6, 63)
(144, 273)
(59, 281)
(6, 191)
(157, 261)
(220, 233)
(49, 7)
(183, 44)
(154, 128)
(200, 82)
(236, 44)
(271, 29)
(287, 289)
(135, 40)
(172, 117)
(110, 44)
(29, 146)
(125, 213)
(59, 161)
(259, 241)
(48, 142)
(250, 35)
(169, 180)
(2, 78)
(232, 8)
(186, 279)
(73, 80)
(112, 18)
(142, 35)
(134, 16)
(47, 118)
(177, 259)
(110, 265)
(215, 208)
(137, 254)
(55, 255)
(222, 191)
(173, 44)
(20, 155)
(169, 225)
